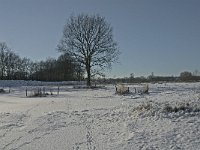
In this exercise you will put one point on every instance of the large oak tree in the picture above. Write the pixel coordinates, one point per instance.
(89, 39)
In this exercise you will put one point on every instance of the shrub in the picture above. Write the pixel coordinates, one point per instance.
(144, 106)
(146, 89)
(2, 91)
(121, 89)
(168, 108)
(38, 93)
(183, 107)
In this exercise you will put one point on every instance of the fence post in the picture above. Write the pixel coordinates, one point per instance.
(26, 91)
(43, 90)
(58, 90)
(40, 92)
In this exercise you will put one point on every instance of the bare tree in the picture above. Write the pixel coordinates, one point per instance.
(4, 52)
(89, 39)
(12, 64)
(186, 76)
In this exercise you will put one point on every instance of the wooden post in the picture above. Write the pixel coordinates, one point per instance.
(58, 90)
(26, 92)
(40, 92)
(43, 90)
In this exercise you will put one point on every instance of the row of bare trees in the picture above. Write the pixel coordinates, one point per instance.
(13, 67)
(61, 69)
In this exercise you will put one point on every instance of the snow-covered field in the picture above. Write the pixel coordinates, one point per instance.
(98, 119)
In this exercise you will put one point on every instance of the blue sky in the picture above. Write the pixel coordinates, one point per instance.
(160, 36)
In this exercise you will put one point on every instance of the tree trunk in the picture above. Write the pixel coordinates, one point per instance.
(88, 76)
(2, 73)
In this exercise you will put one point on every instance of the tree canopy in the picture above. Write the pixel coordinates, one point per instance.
(89, 40)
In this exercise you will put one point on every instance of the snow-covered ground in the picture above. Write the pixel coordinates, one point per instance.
(98, 119)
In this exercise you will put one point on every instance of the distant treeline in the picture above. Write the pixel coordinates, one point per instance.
(184, 77)
(13, 67)
(65, 68)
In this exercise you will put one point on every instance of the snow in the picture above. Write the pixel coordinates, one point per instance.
(99, 119)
